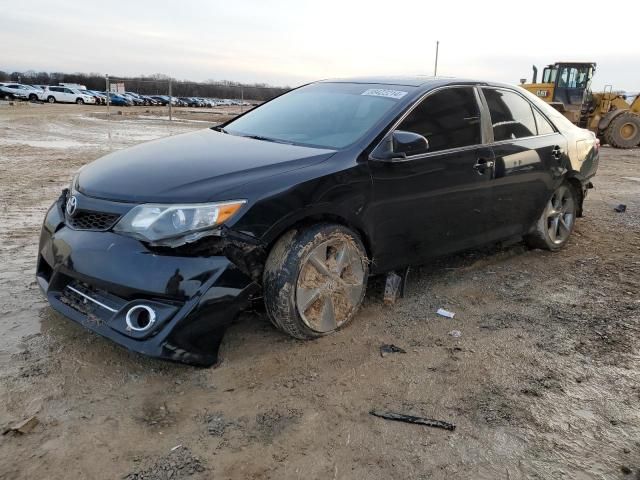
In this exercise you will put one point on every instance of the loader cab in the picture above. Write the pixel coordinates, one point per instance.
(570, 80)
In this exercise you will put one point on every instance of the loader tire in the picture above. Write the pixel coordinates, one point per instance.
(623, 131)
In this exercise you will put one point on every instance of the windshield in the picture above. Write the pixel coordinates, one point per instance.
(330, 115)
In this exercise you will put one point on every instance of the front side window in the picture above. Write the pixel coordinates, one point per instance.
(329, 115)
(511, 115)
(449, 118)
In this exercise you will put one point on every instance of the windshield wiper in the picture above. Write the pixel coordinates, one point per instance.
(267, 139)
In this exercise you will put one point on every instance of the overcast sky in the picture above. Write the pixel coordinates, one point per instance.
(289, 42)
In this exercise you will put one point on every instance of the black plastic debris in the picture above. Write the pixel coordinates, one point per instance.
(620, 208)
(386, 349)
(401, 417)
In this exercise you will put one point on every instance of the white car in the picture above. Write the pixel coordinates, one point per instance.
(53, 94)
(14, 90)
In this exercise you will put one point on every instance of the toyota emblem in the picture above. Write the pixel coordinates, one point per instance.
(72, 206)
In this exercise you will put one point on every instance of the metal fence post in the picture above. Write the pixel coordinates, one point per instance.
(106, 79)
(241, 99)
(170, 101)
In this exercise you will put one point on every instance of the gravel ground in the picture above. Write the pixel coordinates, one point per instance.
(542, 383)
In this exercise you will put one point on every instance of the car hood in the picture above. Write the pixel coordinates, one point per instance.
(192, 167)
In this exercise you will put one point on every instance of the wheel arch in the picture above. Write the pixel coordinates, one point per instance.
(314, 218)
(578, 185)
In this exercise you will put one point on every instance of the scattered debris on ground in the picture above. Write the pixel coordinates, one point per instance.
(386, 349)
(445, 313)
(620, 208)
(23, 427)
(401, 417)
(179, 463)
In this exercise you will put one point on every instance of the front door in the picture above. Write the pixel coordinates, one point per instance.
(437, 202)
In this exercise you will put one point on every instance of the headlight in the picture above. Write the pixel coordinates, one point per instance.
(175, 225)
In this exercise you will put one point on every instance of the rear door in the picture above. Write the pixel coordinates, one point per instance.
(57, 93)
(529, 157)
(435, 202)
(69, 96)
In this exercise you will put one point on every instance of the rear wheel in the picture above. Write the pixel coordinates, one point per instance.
(51, 99)
(556, 223)
(315, 280)
(33, 97)
(624, 131)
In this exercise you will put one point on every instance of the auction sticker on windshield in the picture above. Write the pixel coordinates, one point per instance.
(381, 92)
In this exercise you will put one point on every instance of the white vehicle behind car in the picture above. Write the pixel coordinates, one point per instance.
(53, 94)
(14, 90)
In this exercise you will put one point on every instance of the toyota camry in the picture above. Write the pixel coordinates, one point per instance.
(299, 201)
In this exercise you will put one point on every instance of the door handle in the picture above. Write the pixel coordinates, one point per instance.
(482, 165)
(557, 152)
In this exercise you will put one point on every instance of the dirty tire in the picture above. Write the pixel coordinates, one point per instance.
(315, 279)
(624, 131)
(556, 223)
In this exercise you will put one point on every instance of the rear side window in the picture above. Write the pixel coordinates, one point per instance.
(544, 127)
(511, 115)
(449, 118)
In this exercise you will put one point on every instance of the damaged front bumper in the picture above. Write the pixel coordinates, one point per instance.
(179, 305)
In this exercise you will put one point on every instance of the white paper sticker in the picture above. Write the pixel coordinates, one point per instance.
(381, 92)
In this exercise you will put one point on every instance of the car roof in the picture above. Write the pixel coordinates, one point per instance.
(425, 82)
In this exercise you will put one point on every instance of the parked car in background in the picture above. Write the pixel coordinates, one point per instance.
(99, 98)
(56, 93)
(15, 91)
(149, 100)
(133, 99)
(161, 99)
(119, 100)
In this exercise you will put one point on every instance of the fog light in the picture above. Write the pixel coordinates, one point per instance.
(140, 318)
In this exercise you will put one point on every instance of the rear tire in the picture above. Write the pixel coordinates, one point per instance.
(51, 99)
(33, 97)
(623, 131)
(556, 223)
(315, 280)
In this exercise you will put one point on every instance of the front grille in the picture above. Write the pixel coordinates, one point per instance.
(84, 220)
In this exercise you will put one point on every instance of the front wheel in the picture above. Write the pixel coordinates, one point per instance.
(556, 223)
(51, 99)
(315, 280)
(79, 101)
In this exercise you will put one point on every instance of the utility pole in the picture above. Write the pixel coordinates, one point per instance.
(170, 101)
(435, 68)
(106, 79)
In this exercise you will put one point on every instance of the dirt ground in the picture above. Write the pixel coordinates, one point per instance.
(543, 383)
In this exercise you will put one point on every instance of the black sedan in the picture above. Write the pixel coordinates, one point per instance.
(160, 246)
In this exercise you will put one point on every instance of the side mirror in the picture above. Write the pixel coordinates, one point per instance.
(399, 145)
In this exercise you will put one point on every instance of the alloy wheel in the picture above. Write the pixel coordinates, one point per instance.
(330, 284)
(560, 214)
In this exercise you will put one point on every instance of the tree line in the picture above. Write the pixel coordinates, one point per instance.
(157, 84)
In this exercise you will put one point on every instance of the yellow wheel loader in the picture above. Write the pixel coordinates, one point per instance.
(567, 87)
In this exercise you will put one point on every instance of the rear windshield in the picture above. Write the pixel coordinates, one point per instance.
(329, 115)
